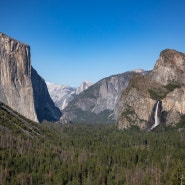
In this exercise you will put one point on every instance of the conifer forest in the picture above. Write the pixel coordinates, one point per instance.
(87, 154)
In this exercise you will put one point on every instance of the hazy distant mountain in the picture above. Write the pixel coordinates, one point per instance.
(139, 70)
(84, 85)
(62, 95)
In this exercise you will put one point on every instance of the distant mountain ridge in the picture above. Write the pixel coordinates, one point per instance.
(62, 95)
(98, 103)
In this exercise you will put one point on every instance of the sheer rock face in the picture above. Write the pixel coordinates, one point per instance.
(136, 105)
(99, 103)
(170, 67)
(16, 77)
(174, 104)
(44, 106)
(139, 99)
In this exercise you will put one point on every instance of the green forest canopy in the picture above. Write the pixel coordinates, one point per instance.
(86, 154)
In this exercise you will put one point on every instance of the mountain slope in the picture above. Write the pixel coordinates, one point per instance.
(62, 95)
(97, 104)
(165, 84)
(20, 85)
(13, 123)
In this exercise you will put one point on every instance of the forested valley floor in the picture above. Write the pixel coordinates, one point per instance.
(86, 154)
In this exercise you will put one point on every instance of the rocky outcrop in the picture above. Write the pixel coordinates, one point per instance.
(165, 83)
(174, 104)
(170, 67)
(136, 104)
(18, 81)
(97, 104)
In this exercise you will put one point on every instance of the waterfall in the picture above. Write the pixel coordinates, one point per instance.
(156, 117)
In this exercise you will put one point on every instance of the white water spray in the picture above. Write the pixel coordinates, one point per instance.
(156, 117)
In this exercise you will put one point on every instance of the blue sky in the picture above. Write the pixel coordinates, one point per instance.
(76, 40)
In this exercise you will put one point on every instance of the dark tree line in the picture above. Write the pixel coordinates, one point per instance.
(89, 154)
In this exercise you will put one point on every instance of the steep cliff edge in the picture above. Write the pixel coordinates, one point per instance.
(15, 77)
(44, 106)
(165, 83)
(18, 81)
(170, 67)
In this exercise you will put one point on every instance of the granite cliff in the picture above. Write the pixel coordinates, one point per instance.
(44, 106)
(165, 83)
(98, 104)
(170, 67)
(21, 87)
